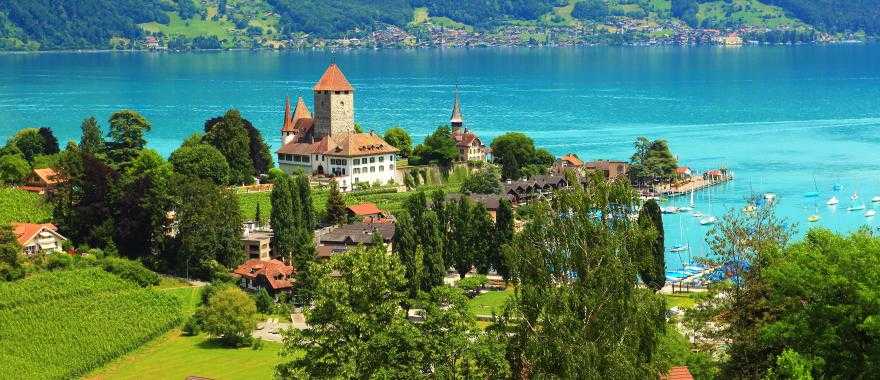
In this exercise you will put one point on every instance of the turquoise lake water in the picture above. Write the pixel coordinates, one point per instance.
(777, 116)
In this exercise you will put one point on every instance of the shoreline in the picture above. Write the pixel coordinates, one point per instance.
(425, 48)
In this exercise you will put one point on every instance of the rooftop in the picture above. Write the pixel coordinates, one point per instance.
(333, 80)
(365, 209)
(24, 232)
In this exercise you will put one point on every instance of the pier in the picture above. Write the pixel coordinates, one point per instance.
(709, 179)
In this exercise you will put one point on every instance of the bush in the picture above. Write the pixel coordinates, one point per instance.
(193, 325)
(230, 316)
(130, 270)
(212, 288)
(472, 283)
(263, 301)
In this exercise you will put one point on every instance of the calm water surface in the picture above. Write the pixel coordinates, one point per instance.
(777, 116)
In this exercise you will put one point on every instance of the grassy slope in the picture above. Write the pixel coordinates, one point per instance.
(174, 356)
(23, 206)
(486, 303)
(223, 28)
(421, 16)
(747, 12)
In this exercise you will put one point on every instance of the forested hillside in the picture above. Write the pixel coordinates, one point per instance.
(65, 24)
(68, 24)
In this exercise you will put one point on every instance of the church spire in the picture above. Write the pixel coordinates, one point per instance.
(456, 119)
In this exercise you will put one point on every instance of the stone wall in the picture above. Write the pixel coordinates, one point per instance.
(334, 113)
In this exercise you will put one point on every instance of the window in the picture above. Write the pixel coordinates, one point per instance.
(306, 159)
(357, 161)
(372, 169)
(280, 156)
(372, 159)
(357, 170)
(381, 168)
(391, 158)
(391, 167)
(381, 158)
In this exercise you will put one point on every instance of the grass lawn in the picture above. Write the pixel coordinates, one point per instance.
(23, 206)
(683, 301)
(485, 303)
(174, 356)
(193, 27)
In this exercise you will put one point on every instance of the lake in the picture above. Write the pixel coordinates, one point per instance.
(785, 119)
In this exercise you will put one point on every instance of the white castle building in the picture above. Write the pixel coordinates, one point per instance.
(326, 143)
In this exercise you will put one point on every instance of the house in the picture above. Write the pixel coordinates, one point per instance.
(492, 202)
(41, 180)
(611, 170)
(470, 147)
(151, 42)
(683, 172)
(568, 161)
(345, 237)
(365, 212)
(257, 242)
(326, 143)
(36, 238)
(677, 373)
(537, 187)
(273, 275)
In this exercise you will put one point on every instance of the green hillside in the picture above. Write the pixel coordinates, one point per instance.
(89, 24)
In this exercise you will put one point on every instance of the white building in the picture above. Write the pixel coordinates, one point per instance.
(327, 144)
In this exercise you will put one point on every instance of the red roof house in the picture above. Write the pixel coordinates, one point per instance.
(677, 373)
(274, 275)
(35, 238)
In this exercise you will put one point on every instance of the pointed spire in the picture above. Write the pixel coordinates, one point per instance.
(456, 119)
(333, 80)
(301, 111)
(287, 109)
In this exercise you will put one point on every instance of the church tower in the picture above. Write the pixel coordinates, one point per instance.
(456, 120)
(334, 104)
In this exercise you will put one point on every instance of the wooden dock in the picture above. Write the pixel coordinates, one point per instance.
(694, 184)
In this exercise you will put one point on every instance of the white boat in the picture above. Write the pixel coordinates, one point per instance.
(685, 209)
(692, 204)
(856, 208)
(854, 196)
(870, 213)
(669, 210)
(680, 248)
(697, 214)
(770, 198)
(833, 201)
(709, 220)
(876, 199)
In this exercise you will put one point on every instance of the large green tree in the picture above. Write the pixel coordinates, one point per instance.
(13, 169)
(92, 141)
(201, 161)
(516, 154)
(10, 255)
(283, 219)
(439, 148)
(400, 139)
(229, 316)
(141, 206)
(337, 213)
(504, 231)
(653, 271)
(29, 142)
(577, 311)
(652, 162)
(230, 136)
(127, 130)
(406, 247)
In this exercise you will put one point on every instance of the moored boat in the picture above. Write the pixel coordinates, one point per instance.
(833, 201)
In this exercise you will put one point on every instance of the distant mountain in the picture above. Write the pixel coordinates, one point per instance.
(88, 24)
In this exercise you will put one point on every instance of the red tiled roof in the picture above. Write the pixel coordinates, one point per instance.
(682, 170)
(677, 373)
(24, 232)
(299, 120)
(464, 139)
(333, 80)
(277, 274)
(714, 173)
(343, 144)
(572, 160)
(364, 209)
(47, 176)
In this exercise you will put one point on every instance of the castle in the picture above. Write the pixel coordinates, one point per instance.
(326, 143)
(469, 146)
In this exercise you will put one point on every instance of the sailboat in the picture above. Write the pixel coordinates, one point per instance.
(814, 193)
(856, 207)
(833, 201)
(854, 196)
(876, 199)
(870, 213)
(709, 219)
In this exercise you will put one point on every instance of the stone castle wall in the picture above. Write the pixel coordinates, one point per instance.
(334, 113)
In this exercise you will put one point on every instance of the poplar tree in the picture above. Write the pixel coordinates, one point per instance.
(481, 237)
(336, 210)
(503, 236)
(92, 141)
(282, 217)
(434, 267)
(407, 249)
(653, 271)
(460, 250)
(305, 196)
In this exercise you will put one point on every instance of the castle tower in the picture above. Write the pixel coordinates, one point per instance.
(334, 104)
(456, 121)
(290, 131)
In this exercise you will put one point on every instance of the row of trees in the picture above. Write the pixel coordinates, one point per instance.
(577, 311)
(176, 216)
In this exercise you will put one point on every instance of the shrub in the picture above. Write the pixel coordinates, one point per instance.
(263, 301)
(130, 270)
(229, 316)
(193, 325)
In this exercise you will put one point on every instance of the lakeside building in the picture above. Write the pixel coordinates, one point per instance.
(326, 143)
(470, 147)
(568, 161)
(611, 170)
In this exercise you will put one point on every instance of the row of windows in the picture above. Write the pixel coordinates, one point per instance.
(333, 161)
(293, 158)
(372, 169)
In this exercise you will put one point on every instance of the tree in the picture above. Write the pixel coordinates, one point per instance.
(141, 205)
(259, 150)
(652, 162)
(258, 216)
(504, 231)
(29, 142)
(461, 237)
(201, 161)
(432, 243)
(576, 311)
(82, 203)
(230, 316)
(208, 240)
(653, 272)
(263, 301)
(400, 139)
(516, 154)
(10, 255)
(594, 10)
(406, 247)
(50, 145)
(127, 129)
(482, 182)
(337, 213)
(481, 238)
(282, 217)
(13, 169)
(230, 136)
(305, 196)
(92, 141)
(439, 148)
